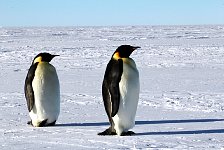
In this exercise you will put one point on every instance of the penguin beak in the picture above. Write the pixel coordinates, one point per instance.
(52, 56)
(55, 55)
(135, 47)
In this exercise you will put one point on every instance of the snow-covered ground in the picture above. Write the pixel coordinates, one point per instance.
(181, 102)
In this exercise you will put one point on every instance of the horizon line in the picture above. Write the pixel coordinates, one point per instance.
(49, 26)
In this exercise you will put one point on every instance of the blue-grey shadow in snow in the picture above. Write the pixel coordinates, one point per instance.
(139, 122)
(183, 132)
(210, 131)
(82, 124)
(177, 121)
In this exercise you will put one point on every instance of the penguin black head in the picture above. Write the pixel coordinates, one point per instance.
(124, 51)
(43, 57)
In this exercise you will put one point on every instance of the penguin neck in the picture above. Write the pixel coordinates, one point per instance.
(41, 62)
(129, 61)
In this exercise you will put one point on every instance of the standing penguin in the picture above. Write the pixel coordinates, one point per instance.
(42, 91)
(120, 92)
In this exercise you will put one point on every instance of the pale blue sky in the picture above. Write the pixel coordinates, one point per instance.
(110, 12)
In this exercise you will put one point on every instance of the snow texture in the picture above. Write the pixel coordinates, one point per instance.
(181, 103)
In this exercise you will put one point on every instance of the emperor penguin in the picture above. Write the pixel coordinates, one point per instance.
(120, 91)
(42, 91)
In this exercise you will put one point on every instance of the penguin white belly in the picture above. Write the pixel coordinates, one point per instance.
(129, 94)
(46, 94)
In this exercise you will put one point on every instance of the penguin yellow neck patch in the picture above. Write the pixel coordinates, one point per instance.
(38, 59)
(116, 56)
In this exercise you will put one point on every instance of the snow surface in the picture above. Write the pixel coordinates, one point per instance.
(181, 102)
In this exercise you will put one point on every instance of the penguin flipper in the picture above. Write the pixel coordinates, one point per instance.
(29, 94)
(107, 101)
(111, 81)
(114, 87)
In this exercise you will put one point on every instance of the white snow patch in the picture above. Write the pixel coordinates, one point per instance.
(181, 100)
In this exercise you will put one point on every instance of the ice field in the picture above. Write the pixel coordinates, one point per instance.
(181, 103)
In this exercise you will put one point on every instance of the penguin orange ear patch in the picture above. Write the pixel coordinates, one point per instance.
(116, 56)
(38, 59)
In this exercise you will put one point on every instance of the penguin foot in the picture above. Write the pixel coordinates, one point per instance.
(42, 123)
(29, 123)
(107, 132)
(129, 133)
(51, 124)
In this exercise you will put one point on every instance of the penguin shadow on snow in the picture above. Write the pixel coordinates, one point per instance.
(91, 124)
(139, 123)
(209, 131)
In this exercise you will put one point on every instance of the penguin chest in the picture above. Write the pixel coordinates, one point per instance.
(46, 92)
(129, 95)
(129, 91)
